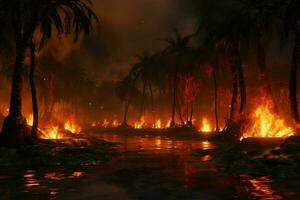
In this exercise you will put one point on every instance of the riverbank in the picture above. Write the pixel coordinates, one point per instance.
(62, 152)
(274, 157)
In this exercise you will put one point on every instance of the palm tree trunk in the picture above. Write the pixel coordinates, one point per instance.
(34, 129)
(216, 99)
(172, 125)
(152, 101)
(14, 127)
(234, 91)
(190, 123)
(179, 111)
(241, 78)
(126, 106)
(261, 62)
(143, 101)
(293, 78)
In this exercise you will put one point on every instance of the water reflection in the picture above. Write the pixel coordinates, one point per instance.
(260, 187)
(156, 144)
(45, 183)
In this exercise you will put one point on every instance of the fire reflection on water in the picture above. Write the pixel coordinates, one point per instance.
(260, 187)
(43, 183)
(156, 144)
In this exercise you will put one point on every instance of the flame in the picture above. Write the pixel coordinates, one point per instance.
(29, 120)
(265, 123)
(168, 123)
(72, 127)
(115, 123)
(206, 127)
(158, 124)
(140, 124)
(105, 123)
(51, 133)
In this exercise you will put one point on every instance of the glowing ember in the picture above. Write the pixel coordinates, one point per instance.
(206, 127)
(29, 120)
(72, 127)
(140, 124)
(264, 123)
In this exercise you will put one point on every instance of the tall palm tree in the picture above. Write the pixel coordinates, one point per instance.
(260, 16)
(126, 91)
(179, 46)
(143, 71)
(292, 23)
(24, 18)
(229, 34)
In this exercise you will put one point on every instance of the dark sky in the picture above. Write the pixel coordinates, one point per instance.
(127, 28)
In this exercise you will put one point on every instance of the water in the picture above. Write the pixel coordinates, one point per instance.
(148, 168)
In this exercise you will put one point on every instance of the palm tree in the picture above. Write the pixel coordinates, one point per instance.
(229, 34)
(292, 23)
(24, 18)
(179, 46)
(143, 71)
(260, 17)
(126, 91)
(35, 108)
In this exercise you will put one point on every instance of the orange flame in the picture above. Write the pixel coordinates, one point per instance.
(115, 123)
(265, 123)
(29, 120)
(105, 123)
(51, 133)
(158, 124)
(140, 124)
(72, 127)
(206, 127)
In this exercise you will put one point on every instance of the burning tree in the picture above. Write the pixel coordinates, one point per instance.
(25, 19)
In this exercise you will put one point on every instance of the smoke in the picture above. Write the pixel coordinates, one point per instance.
(126, 29)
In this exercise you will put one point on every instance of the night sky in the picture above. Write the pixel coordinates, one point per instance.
(126, 29)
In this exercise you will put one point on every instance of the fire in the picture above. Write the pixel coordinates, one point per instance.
(29, 120)
(140, 124)
(158, 124)
(105, 123)
(115, 123)
(168, 123)
(72, 127)
(51, 133)
(206, 127)
(265, 123)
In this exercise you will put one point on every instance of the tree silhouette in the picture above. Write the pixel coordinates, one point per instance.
(24, 18)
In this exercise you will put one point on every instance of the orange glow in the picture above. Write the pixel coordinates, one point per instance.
(168, 123)
(265, 123)
(158, 124)
(72, 127)
(206, 127)
(115, 123)
(140, 124)
(29, 120)
(105, 123)
(51, 134)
